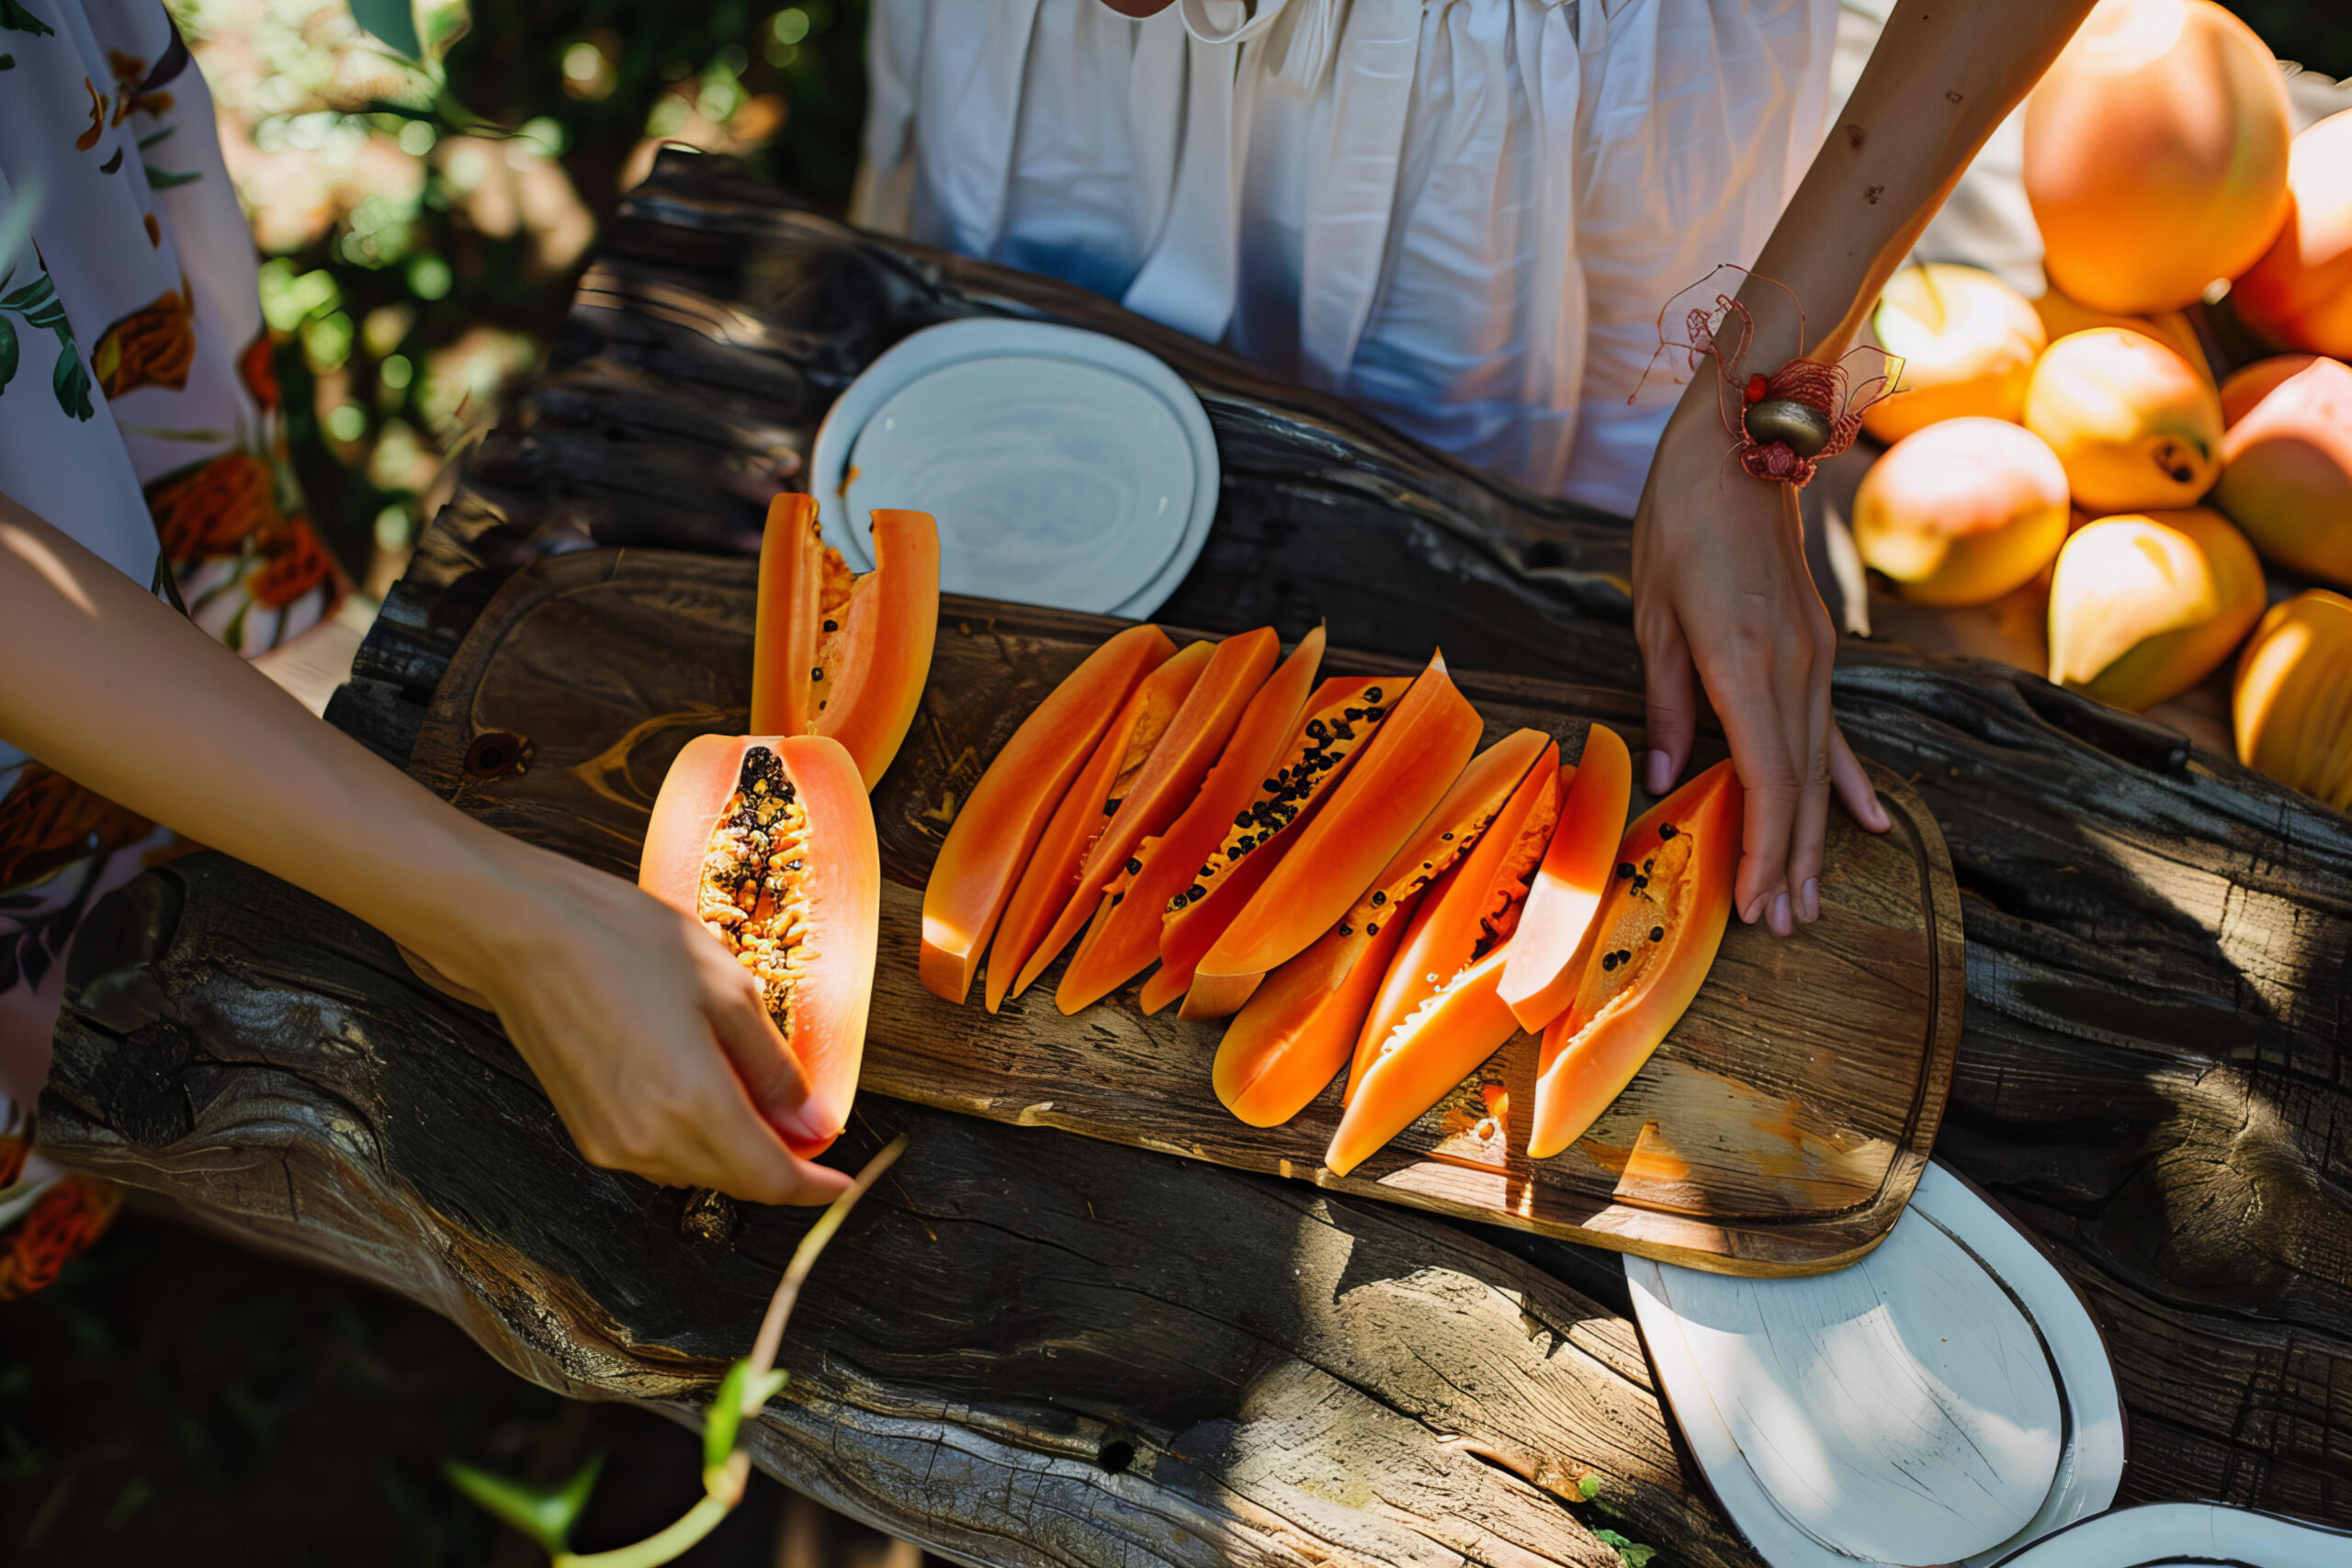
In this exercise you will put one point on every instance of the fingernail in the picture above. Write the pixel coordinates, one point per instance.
(1754, 911)
(1813, 897)
(1662, 776)
(1782, 926)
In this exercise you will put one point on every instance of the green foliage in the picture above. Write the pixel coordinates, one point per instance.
(545, 1514)
(731, 1404)
(394, 21)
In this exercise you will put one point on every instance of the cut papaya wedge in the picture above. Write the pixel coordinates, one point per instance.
(1299, 1028)
(1475, 912)
(1294, 1035)
(1160, 781)
(1052, 874)
(839, 654)
(1124, 939)
(1412, 759)
(989, 841)
(1436, 1047)
(769, 841)
(1341, 717)
(1540, 981)
(1657, 935)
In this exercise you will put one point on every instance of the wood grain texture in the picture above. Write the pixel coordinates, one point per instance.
(2158, 1046)
(1780, 1129)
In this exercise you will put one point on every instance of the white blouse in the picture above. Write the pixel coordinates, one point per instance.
(1462, 214)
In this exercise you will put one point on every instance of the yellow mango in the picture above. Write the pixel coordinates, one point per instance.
(1967, 341)
(2132, 423)
(2144, 606)
(2293, 701)
(2286, 474)
(1962, 512)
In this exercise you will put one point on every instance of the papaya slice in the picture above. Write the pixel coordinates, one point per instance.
(1541, 979)
(1297, 1031)
(1658, 929)
(1438, 1045)
(1052, 874)
(1124, 939)
(769, 841)
(1160, 780)
(988, 844)
(1341, 717)
(839, 654)
(1413, 757)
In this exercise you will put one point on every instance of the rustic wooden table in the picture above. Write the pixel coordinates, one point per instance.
(1036, 1348)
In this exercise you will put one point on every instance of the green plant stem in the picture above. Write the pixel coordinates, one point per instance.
(804, 1258)
(662, 1547)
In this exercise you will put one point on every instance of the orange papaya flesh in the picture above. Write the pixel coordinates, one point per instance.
(1657, 935)
(769, 841)
(1218, 996)
(1124, 939)
(1475, 912)
(989, 841)
(1158, 781)
(1319, 755)
(1413, 757)
(1441, 1043)
(1294, 1034)
(1540, 981)
(836, 653)
(1055, 865)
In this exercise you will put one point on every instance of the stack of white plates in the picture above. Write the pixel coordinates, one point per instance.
(1064, 467)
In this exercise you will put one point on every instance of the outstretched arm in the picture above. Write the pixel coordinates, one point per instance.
(1721, 596)
(650, 1038)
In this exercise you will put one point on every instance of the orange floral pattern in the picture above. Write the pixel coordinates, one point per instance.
(209, 509)
(62, 1225)
(257, 368)
(48, 821)
(152, 346)
(292, 563)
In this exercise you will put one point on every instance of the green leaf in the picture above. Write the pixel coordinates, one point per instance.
(394, 21)
(724, 1417)
(163, 135)
(164, 179)
(1589, 1486)
(10, 352)
(71, 382)
(18, 19)
(1630, 1555)
(545, 1514)
(30, 295)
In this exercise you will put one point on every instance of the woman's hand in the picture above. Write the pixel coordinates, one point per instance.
(1721, 592)
(646, 1035)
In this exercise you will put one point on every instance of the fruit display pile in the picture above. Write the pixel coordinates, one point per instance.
(2079, 448)
(1335, 868)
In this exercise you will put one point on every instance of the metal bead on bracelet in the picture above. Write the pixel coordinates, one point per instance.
(1793, 419)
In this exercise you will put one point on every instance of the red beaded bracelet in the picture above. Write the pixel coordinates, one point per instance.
(1793, 419)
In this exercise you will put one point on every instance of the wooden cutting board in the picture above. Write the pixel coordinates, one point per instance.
(1778, 1131)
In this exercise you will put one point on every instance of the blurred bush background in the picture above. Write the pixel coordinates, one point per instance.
(422, 229)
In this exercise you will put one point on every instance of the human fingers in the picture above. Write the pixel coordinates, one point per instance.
(1811, 828)
(775, 1080)
(1853, 783)
(1770, 776)
(1671, 698)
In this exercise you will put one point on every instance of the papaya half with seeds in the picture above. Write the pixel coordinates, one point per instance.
(988, 844)
(1123, 940)
(1299, 1028)
(2293, 707)
(839, 654)
(1051, 878)
(1340, 719)
(1411, 761)
(768, 840)
(1654, 941)
(1439, 1013)
(1540, 980)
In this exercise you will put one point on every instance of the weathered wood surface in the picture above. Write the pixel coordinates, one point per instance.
(1779, 1130)
(2154, 1074)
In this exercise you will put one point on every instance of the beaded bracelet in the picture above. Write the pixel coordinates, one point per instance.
(1793, 419)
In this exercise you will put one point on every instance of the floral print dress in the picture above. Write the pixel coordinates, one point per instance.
(138, 414)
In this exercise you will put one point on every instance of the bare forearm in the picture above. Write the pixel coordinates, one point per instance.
(1944, 75)
(109, 686)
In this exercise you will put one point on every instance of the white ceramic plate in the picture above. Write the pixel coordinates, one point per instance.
(2184, 1535)
(1064, 467)
(1946, 1398)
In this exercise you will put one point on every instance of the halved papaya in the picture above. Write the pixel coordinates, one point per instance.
(1655, 938)
(1124, 939)
(1341, 720)
(769, 841)
(836, 653)
(1297, 1030)
(1052, 874)
(1159, 781)
(1412, 760)
(1540, 980)
(989, 841)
